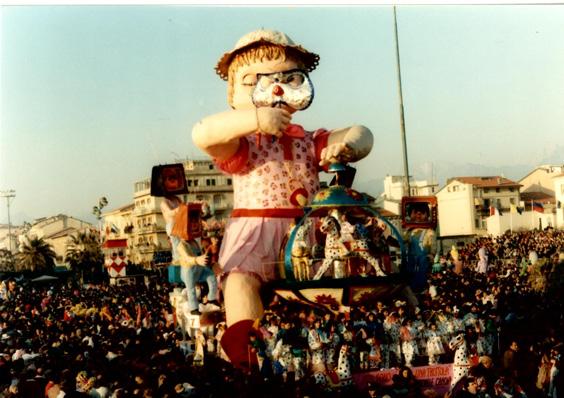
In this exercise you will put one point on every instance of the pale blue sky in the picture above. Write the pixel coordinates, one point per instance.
(93, 96)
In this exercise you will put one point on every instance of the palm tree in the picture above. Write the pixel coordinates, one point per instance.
(83, 252)
(35, 255)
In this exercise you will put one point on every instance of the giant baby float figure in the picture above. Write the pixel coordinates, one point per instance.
(274, 164)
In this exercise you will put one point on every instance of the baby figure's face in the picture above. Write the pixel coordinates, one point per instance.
(245, 80)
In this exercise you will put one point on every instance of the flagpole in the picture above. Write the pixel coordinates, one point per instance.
(406, 187)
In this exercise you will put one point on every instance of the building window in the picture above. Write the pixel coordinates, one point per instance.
(455, 188)
(210, 182)
(497, 189)
(486, 190)
(217, 200)
(195, 183)
(230, 182)
(477, 223)
(511, 189)
(210, 166)
(189, 183)
(512, 201)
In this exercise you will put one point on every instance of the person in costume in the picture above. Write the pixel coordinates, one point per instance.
(421, 244)
(274, 164)
(457, 263)
(482, 266)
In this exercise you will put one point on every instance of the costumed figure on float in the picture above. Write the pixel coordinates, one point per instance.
(419, 222)
(274, 163)
(183, 226)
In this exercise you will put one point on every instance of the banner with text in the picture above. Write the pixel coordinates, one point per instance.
(436, 377)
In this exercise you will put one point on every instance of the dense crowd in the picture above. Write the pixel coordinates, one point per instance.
(512, 245)
(109, 341)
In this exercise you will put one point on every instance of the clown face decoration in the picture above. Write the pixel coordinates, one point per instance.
(292, 88)
(168, 180)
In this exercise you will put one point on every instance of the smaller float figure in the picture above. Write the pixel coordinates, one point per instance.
(184, 228)
(461, 366)
(335, 249)
(361, 248)
(419, 223)
(301, 252)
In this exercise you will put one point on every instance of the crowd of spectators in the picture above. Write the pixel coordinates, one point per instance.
(513, 245)
(99, 340)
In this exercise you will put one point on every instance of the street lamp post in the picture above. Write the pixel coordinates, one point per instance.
(9, 194)
(97, 211)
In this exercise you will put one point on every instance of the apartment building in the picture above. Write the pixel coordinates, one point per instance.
(148, 234)
(465, 203)
(56, 231)
(207, 184)
(538, 187)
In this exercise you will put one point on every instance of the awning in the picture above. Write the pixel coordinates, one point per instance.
(111, 243)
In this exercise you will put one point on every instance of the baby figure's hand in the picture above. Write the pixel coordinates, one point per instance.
(336, 153)
(272, 121)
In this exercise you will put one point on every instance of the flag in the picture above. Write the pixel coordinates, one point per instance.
(495, 211)
(538, 207)
(512, 209)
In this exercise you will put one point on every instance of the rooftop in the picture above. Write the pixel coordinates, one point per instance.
(486, 182)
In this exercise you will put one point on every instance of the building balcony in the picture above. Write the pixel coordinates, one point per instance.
(152, 228)
(210, 188)
(143, 210)
(147, 249)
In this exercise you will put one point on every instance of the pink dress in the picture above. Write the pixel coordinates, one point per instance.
(266, 179)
